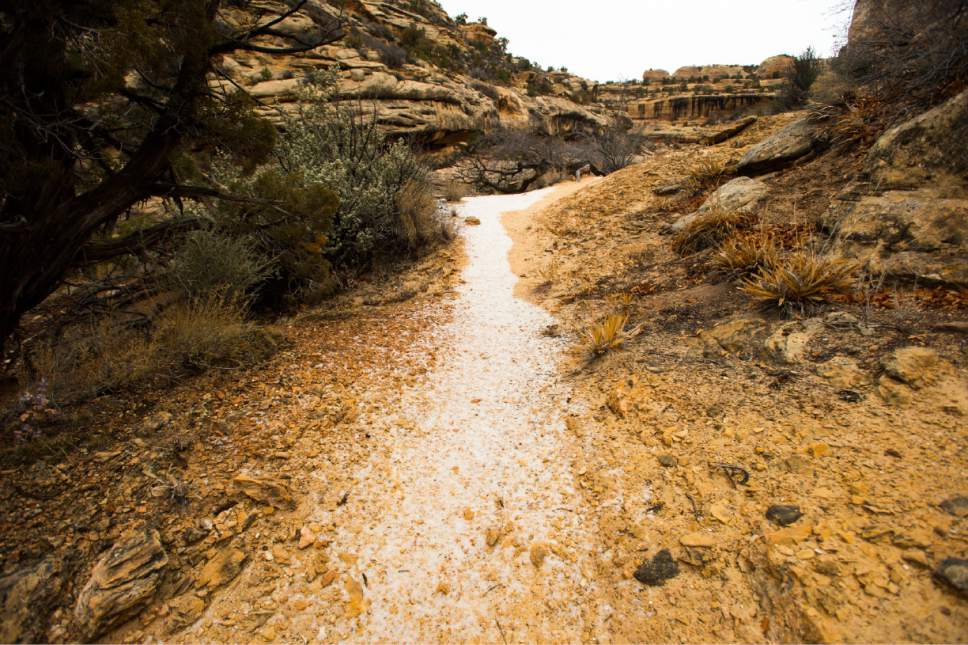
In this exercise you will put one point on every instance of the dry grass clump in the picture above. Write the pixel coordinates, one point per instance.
(799, 280)
(608, 335)
(709, 230)
(744, 255)
(705, 175)
(112, 354)
(454, 191)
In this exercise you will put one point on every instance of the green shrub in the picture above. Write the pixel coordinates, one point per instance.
(210, 262)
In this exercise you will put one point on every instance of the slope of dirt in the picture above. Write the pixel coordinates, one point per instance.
(693, 431)
(167, 460)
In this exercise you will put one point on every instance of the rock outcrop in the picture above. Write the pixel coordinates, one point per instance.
(793, 142)
(413, 72)
(909, 220)
(122, 583)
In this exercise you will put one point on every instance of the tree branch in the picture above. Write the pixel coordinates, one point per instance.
(94, 252)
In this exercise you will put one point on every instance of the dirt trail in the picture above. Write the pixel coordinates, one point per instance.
(466, 524)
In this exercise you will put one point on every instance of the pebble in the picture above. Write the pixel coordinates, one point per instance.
(306, 537)
(538, 554)
(668, 461)
(655, 571)
(783, 515)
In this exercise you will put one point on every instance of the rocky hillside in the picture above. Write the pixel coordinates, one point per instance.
(421, 73)
(697, 92)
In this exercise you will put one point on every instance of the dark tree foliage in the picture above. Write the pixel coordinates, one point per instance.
(105, 104)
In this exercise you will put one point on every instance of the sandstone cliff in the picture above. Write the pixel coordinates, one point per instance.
(420, 74)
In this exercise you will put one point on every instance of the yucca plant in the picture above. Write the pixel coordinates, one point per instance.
(799, 280)
(744, 255)
(709, 229)
(609, 334)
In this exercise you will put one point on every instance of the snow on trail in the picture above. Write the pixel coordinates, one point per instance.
(480, 455)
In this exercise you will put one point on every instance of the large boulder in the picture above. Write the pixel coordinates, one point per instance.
(793, 142)
(909, 221)
(930, 148)
(741, 195)
(122, 583)
(909, 236)
(28, 596)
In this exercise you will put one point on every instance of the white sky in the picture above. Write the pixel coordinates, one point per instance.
(619, 39)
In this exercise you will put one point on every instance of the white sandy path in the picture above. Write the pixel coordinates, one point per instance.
(484, 448)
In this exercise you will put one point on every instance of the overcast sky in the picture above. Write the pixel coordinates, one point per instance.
(619, 39)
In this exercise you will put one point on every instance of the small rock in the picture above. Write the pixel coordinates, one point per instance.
(668, 461)
(443, 588)
(703, 540)
(957, 506)
(783, 515)
(266, 490)
(954, 573)
(222, 568)
(538, 554)
(472, 221)
(492, 536)
(468, 514)
(669, 189)
(183, 611)
(656, 571)
(306, 537)
(157, 421)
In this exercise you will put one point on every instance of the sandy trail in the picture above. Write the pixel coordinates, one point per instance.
(480, 454)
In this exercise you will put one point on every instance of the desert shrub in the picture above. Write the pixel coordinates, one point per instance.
(454, 191)
(705, 175)
(743, 255)
(209, 332)
(608, 335)
(615, 148)
(804, 73)
(709, 230)
(391, 55)
(112, 354)
(344, 151)
(800, 280)
(211, 262)
(288, 225)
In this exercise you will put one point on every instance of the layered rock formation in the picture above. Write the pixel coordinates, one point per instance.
(419, 74)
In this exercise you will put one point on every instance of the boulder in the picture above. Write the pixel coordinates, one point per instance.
(905, 235)
(914, 366)
(122, 583)
(741, 195)
(928, 149)
(788, 342)
(654, 74)
(775, 66)
(738, 336)
(27, 598)
(793, 142)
